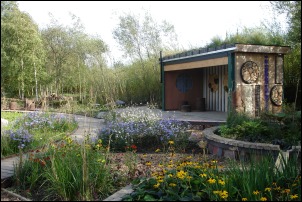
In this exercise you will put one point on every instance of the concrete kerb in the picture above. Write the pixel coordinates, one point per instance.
(117, 196)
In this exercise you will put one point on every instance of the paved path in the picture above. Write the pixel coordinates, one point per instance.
(87, 125)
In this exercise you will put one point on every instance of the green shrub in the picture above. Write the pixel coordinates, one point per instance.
(283, 128)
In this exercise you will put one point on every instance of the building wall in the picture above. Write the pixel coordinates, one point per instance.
(174, 98)
(255, 96)
(216, 98)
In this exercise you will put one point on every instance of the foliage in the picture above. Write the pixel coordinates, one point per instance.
(292, 9)
(22, 53)
(206, 180)
(283, 129)
(142, 40)
(292, 62)
(68, 171)
(35, 129)
(11, 116)
(255, 35)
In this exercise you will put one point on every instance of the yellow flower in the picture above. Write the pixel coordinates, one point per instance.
(287, 190)
(160, 181)
(171, 142)
(189, 157)
(154, 174)
(189, 163)
(156, 185)
(294, 196)
(101, 160)
(189, 177)
(214, 161)
(170, 166)
(172, 184)
(148, 163)
(216, 192)
(170, 175)
(263, 199)
(158, 150)
(244, 199)
(181, 174)
(203, 175)
(223, 194)
(221, 182)
(211, 181)
(267, 189)
(160, 165)
(256, 192)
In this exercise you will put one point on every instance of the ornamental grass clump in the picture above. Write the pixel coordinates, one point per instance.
(68, 171)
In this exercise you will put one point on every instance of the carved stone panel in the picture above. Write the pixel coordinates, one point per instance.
(276, 94)
(249, 72)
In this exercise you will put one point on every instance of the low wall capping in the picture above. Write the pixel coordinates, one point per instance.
(236, 149)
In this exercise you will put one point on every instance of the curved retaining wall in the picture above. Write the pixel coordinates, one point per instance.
(241, 150)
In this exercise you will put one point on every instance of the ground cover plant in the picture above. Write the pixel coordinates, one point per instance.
(283, 128)
(33, 130)
(11, 116)
(187, 180)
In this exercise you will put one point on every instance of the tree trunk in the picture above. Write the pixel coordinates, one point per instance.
(36, 81)
(22, 80)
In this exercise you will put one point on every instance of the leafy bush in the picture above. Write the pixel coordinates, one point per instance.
(283, 129)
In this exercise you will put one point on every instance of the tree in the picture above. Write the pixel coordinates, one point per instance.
(142, 39)
(21, 51)
(292, 62)
(292, 9)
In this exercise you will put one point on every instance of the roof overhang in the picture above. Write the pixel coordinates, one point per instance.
(215, 56)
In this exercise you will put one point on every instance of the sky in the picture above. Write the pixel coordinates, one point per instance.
(195, 22)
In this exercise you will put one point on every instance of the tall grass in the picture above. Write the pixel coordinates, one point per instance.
(69, 171)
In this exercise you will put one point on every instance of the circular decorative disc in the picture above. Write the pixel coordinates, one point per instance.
(276, 94)
(184, 83)
(249, 72)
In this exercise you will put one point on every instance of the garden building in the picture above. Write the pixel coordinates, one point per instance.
(242, 77)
